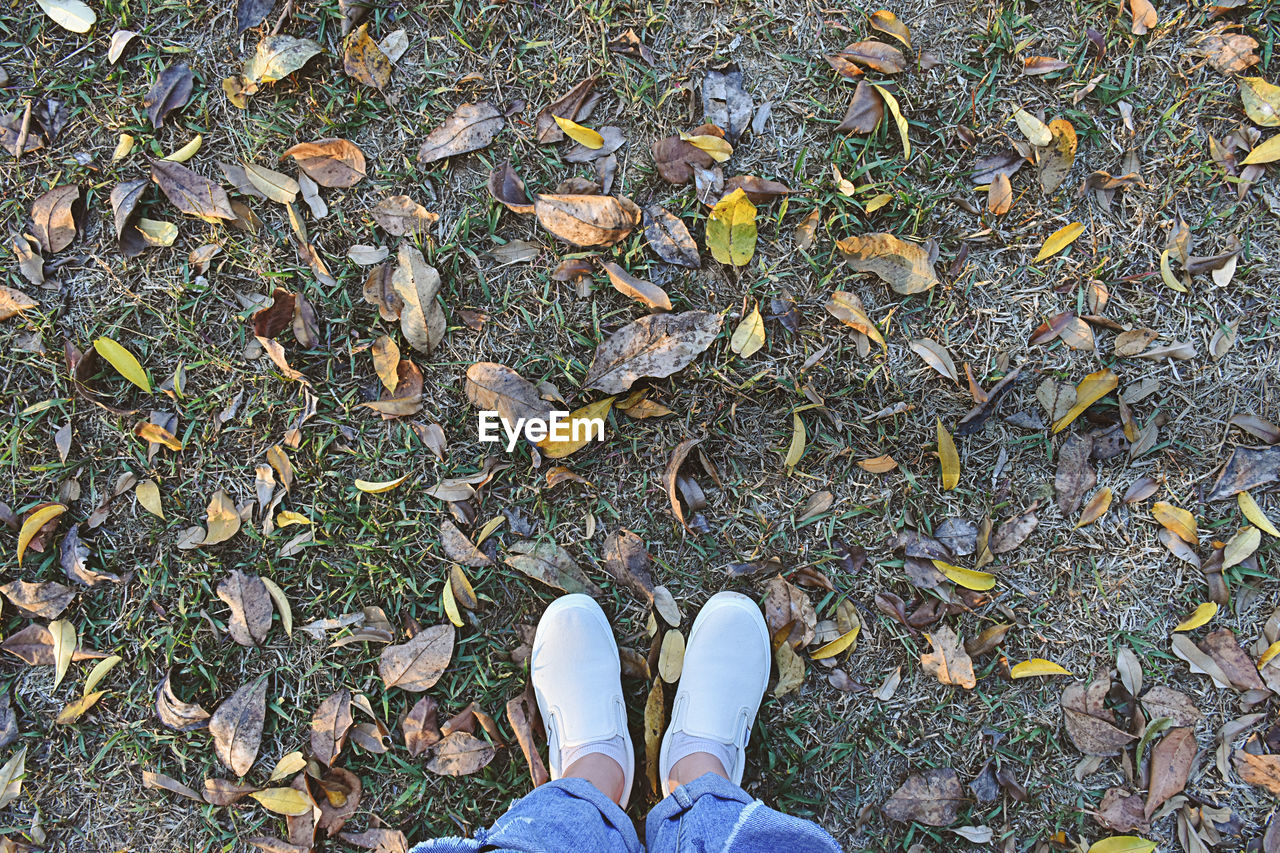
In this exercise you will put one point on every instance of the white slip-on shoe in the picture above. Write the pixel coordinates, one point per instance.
(726, 671)
(577, 680)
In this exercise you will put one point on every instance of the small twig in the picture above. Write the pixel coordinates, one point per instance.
(284, 13)
(24, 132)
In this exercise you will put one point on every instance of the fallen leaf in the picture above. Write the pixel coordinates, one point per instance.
(580, 430)
(63, 635)
(330, 162)
(285, 801)
(401, 216)
(417, 665)
(1000, 195)
(459, 548)
(1034, 66)
(276, 57)
(725, 102)
(161, 782)
(948, 662)
(190, 192)
(1091, 389)
(888, 23)
(236, 726)
(417, 283)
(45, 599)
(1241, 546)
(176, 714)
(875, 55)
(642, 291)
(904, 266)
(55, 217)
(507, 188)
(250, 605)
(748, 338)
(1171, 763)
(1096, 508)
(274, 185)
(460, 754)
(1037, 667)
(34, 522)
(1059, 240)
(1122, 844)
(1055, 160)
(576, 104)
(498, 388)
(1262, 771)
(948, 458)
(330, 725)
(522, 714)
(865, 112)
(731, 229)
(669, 238)
(789, 613)
(1144, 18)
(222, 518)
(170, 92)
(125, 362)
(549, 563)
(658, 346)
(1261, 101)
(627, 562)
(470, 128)
(578, 133)
(898, 119)
(847, 308)
(587, 220)
(1176, 520)
(933, 798)
(1075, 474)
(967, 578)
(1089, 723)
(1247, 468)
(364, 61)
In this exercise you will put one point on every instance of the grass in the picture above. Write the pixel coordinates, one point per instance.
(1076, 594)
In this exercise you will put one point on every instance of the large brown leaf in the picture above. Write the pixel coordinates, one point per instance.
(904, 266)
(330, 725)
(1090, 725)
(459, 548)
(34, 645)
(330, 162)
(55, 217)
(417, 665)
(1013, 532)
(378, 839)
(725, 102)
(124, 206)
(1161, 701)
(250, 605)
(46, 599)
(789, 613)
(1171, 762)
(866, 111)
(933, 798)
(949, 662)
(645, 292)
(190, 192)
(875, 55)
(678, 160)
(470, 128)
(575, 105)
(1221, 645)
(586, 220)
(237, 726)
(1075, 475)
(176, 714)
(418, 283)
(401, 216)
(507, 188)
(669, 237)
(551, 564)
(497, 388)
(339, 796)
(421, 729)
(522, 714)
(460, 754)
(170, 92)
(1121, 811)
(1262, 771)
(627, 561)
(657, 345)
(1248, 468)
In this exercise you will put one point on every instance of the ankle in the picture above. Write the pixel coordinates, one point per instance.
(695, 765)
(602, 771)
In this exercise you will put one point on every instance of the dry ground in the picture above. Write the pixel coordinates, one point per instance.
(1077, 595)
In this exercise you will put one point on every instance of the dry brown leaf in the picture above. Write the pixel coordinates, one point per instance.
(417, 283)
(330, 162)
(933, 798)
(498, 388)
(176, 714)
(627, 561)
(1090, 725)
(948, 662)
(1075, 475)
(236, 726)
(789, 613)
(250, 605)
(549, 563)
(904, 266)
(460, 754)
(420, 726)
(1171, 763)
(45, 599)
(645, 292)
(522, 714)
(658, 346)
(866, 111)
(401, 216)
(459, 548)
(55, 217)
(875, 55)
(417, 665)
(470, 128)
(669, 238)
(190, 192)
(330, 725)
(575, 105)
(507, 188)
(587, 220)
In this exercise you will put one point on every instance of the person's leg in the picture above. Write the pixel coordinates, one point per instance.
(703, 757)
(576, 675)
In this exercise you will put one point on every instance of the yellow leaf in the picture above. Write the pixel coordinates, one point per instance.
(276, 186)
(288, 765)
(123, 147)
(1037, 666)
(99, 672)
(846, 640)
(949, 458)
(71, 15)
(156, 434)
(878, 464)
(1241, 546)
(450, 604)
(282, 604)
(731, 229)
(286, 801)
(1091, 389)
(1122, 844)
(1036, 131)
(1267, 152)
(876, 202)
(1261, 101)
(386, 361)
(1200, 616)
(887, 22)
(967, 578)
(1176, 520)
(578, 431)
(1254, 513)
(715, 147)
(490, 526)
(34, 522)
(148, 494)
(222, 519)
(123, 361)
(1271, 652)
(798, 438)
(76, 709)
(847, 308)
(288, 517)
(1167, 276)
(64, 646)
(1059, 240)
(187, 151)
(749, 336)
(896, 111)
(157, 233)
(463, 593)
(579, 134)
(375, 487)
(1095, 508)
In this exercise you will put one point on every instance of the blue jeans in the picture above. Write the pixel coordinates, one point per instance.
(708, 815)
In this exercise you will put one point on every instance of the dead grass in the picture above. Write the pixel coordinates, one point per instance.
(1077, 595)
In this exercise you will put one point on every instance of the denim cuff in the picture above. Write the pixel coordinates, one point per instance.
(683, 798)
